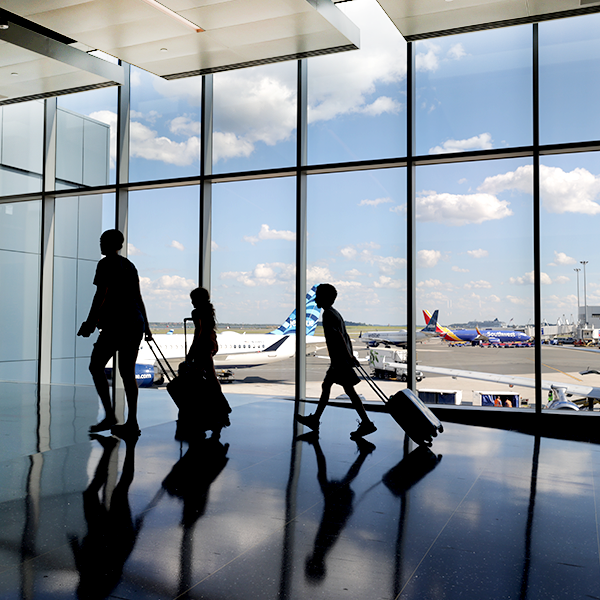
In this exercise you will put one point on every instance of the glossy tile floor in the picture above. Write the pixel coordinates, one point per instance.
(487, 514)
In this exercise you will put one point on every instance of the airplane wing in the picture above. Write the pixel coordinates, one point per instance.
(586, 391)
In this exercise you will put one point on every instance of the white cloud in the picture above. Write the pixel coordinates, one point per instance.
(342, 83)
(318, 274)
(576, 191)
(349, 252)
(463, 180)
(459, 270)
(430, 283)
(560, 258)
(427, 259)
(184, 126)
(263, 274)
(478, 285)
(561, 279)
(382, 105)
(177, 245)
(478, 253)
(132, 250)
(519, 301)
(375, 202)
(428, 61)
(528, 279)
(214, 246)
(482, 141)
(456, 52)
(354, 273)
(266, 233)
(460, 209)
(168, 289)
(389, 283)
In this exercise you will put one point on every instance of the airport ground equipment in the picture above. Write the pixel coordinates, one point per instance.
(388, 363)
(405, 407)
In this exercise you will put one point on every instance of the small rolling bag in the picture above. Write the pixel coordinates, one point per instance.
(407, 409)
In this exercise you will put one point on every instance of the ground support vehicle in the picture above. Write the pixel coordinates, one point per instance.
(387, 363)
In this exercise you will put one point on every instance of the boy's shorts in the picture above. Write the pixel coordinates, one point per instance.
(343, 376)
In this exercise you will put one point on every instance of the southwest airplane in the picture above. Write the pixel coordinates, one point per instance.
(399, 338)
(236, 350)
(494, 336)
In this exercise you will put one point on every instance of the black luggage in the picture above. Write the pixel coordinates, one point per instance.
(407, 409)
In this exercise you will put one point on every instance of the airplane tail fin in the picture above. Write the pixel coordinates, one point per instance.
(432, 325)
(438, 328)
(312, 316)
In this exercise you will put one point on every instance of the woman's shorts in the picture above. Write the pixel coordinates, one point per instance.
(343, 376)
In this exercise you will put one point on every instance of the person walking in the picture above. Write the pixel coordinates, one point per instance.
(119, 313)
(342, 366)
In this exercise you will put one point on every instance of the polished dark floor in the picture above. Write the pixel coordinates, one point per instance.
(486, 514)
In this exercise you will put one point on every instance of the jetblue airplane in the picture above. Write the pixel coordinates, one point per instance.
(399, 338)
(493, 336)
(236, 350)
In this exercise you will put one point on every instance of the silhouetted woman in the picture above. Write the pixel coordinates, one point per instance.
(119, 312)
(210, 410)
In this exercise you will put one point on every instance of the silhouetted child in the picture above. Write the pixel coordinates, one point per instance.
(119, 312)
(342, 366)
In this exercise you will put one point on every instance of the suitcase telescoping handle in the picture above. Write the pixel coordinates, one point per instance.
(185, 332)
(163, 357)
(373, 385)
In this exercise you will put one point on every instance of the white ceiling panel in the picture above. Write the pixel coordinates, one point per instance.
(420, 19)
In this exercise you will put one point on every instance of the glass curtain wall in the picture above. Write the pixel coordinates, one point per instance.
(474, 149)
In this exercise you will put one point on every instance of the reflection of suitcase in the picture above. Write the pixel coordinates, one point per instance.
(407, 409)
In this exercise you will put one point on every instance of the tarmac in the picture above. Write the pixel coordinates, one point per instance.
(560, 364)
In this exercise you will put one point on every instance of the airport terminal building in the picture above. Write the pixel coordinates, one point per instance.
(418, 156)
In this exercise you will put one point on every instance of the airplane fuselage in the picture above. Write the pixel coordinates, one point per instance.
(498, 336)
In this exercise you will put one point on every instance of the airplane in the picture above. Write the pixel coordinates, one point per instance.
(399, 338)
(494, 336)
(236, 350)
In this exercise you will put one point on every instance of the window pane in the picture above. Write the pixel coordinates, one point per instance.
(255, 118)
(569, 79)
(19, 292)
(163, 245)
(570, 210)
(357, 242)
(474, 91)
(79, 222)
(475, 264)
(86, 139)
(165, 127)
(357, 99)
(253, 272)
(21, 145)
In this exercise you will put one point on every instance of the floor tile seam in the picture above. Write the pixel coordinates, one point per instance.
(454, 512)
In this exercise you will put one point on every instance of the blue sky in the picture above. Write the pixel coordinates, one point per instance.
(474, 220)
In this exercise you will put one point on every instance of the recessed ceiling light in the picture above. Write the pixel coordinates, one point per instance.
(3, 24)
(173, 15)
(163, 50)
(15, 74)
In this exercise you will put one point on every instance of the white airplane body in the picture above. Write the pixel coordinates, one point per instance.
(236, 350)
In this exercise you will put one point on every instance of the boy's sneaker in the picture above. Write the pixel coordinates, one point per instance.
(364, 428)
(309, 420)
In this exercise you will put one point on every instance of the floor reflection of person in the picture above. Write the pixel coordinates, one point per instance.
(119, 312)
(208, 409)
(341, 370)
(338, 500)
(190, 480)
(111, 530)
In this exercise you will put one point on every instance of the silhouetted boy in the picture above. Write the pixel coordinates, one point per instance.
(342, 366)
(119, 312)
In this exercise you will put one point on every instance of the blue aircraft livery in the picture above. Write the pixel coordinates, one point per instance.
(312, 316)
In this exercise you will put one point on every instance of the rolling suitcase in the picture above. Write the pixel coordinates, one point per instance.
(407, 409)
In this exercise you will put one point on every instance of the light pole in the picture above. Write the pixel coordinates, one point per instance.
(577, 271)
(584, 262)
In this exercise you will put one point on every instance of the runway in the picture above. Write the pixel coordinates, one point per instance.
(560, 364)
